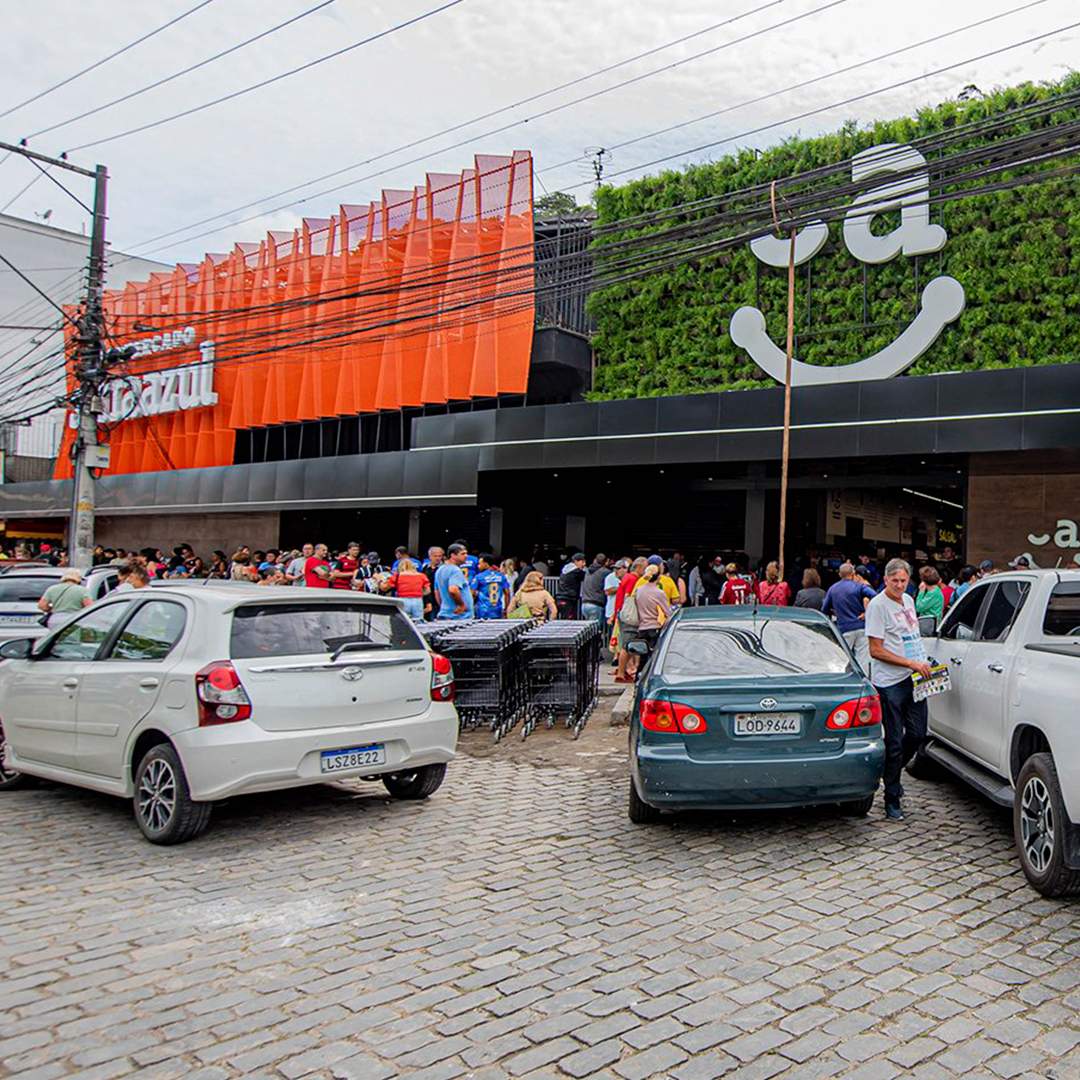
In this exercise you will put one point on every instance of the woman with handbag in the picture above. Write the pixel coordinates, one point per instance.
(772, 591)
(66, 597)
(532, 600)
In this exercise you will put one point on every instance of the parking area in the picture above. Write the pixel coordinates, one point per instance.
(518, 925)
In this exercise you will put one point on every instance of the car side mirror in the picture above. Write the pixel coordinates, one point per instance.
(927, 626)
(638, 648)
(18, 649)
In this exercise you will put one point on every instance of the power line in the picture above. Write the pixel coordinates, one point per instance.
(846, 101)
(273, 79)
(20, 193)
(478, 119)
(183, 71)
(933, 40)
(104, 60)
(7, 262)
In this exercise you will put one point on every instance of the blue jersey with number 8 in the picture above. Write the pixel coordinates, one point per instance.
(489, 587)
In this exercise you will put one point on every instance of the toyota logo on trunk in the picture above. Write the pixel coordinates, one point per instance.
(352, 674)
(768, 703)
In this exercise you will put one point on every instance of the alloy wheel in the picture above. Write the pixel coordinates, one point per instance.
(1037, 824)
(157, 794)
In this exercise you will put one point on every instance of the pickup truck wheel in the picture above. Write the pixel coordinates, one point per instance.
(9, 778)
(416, 784)
(164, 808)
(1039, 827)
(640, 812)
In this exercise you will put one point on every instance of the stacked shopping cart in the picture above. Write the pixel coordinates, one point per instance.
(488, 676)
(562, 673)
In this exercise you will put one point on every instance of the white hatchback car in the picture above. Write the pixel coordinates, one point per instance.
(180, 696)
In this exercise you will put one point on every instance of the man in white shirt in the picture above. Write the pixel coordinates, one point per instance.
(896, 651)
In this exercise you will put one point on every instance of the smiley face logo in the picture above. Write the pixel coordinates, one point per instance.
(942, 298)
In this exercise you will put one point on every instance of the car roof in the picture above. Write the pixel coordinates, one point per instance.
(234, 593)
(728, 612)
(52, 571)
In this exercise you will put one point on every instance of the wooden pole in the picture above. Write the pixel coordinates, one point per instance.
(785, 452)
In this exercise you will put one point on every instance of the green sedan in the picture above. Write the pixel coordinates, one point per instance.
(746, 706)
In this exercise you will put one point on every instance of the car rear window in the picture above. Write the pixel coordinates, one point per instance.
(24, 590)
(739, 647)
(261, 630)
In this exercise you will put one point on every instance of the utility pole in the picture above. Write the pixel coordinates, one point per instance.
(89, 372)
(89, 366)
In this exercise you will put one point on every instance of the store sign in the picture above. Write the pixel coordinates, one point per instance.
(1066, 535)
(942, 298)
(158, 392)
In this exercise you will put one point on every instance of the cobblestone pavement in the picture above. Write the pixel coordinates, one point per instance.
(518, 925)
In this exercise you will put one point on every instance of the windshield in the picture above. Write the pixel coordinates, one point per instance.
(262, 630)
(737, 648)
(24, 590)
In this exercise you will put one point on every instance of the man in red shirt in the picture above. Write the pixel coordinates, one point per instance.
(347, 565)
(626, 587)
(317, 569)
(737, 590)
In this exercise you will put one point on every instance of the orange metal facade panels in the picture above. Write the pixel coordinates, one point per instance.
(420, 298)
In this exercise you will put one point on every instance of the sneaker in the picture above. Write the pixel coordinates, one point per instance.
(894, 813)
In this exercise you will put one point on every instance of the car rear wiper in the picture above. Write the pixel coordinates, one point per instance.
(358, 646)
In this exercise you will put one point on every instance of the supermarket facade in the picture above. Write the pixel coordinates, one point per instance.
(414, 371)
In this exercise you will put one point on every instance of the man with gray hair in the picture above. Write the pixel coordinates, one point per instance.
(896, 652)
(846, 601)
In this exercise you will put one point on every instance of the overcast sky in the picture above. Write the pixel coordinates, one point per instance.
(471, 59)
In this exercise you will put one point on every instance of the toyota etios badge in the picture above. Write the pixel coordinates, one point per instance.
(352, 674)
(942, 299)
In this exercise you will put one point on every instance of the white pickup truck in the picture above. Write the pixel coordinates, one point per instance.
(1009, 724)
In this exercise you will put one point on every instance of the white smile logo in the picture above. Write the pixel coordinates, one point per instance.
(942, 299)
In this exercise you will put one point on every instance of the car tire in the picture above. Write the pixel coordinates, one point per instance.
(417, 784)
(641, 813)
(164, 809)
(9, 778)
(858, 807)
(1039, 828)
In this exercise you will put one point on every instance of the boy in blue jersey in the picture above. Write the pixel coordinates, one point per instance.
(491, 589)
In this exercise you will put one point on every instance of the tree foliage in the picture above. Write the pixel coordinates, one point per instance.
(1017, 254)
(556, 204)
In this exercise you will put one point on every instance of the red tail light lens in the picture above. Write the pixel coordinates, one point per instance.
(672, 717)
(858, 712)
(221, 696)
(442, 678)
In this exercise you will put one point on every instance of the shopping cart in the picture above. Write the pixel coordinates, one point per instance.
(488, 676)
(562, 673)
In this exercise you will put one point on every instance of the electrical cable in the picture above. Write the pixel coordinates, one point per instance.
(44, 295)
(473, 138)
(20, 193)
(184, 71)
(891, 54)
(267, 82)
(846, 101)
(112, 56)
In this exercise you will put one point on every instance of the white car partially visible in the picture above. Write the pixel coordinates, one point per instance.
(179, 697)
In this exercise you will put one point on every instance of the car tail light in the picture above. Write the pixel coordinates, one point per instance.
(671, 716)
(442, 678)
(858, 712)
(222, 697)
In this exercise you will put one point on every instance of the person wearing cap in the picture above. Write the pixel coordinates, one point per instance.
(663, 580)
(67, 596)
(986, 567)
(1021, 562)
(568, 589)
(713, 580)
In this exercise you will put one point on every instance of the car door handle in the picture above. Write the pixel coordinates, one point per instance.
(149, 683)
(70, 683)
(958, 661)
(995, 667)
